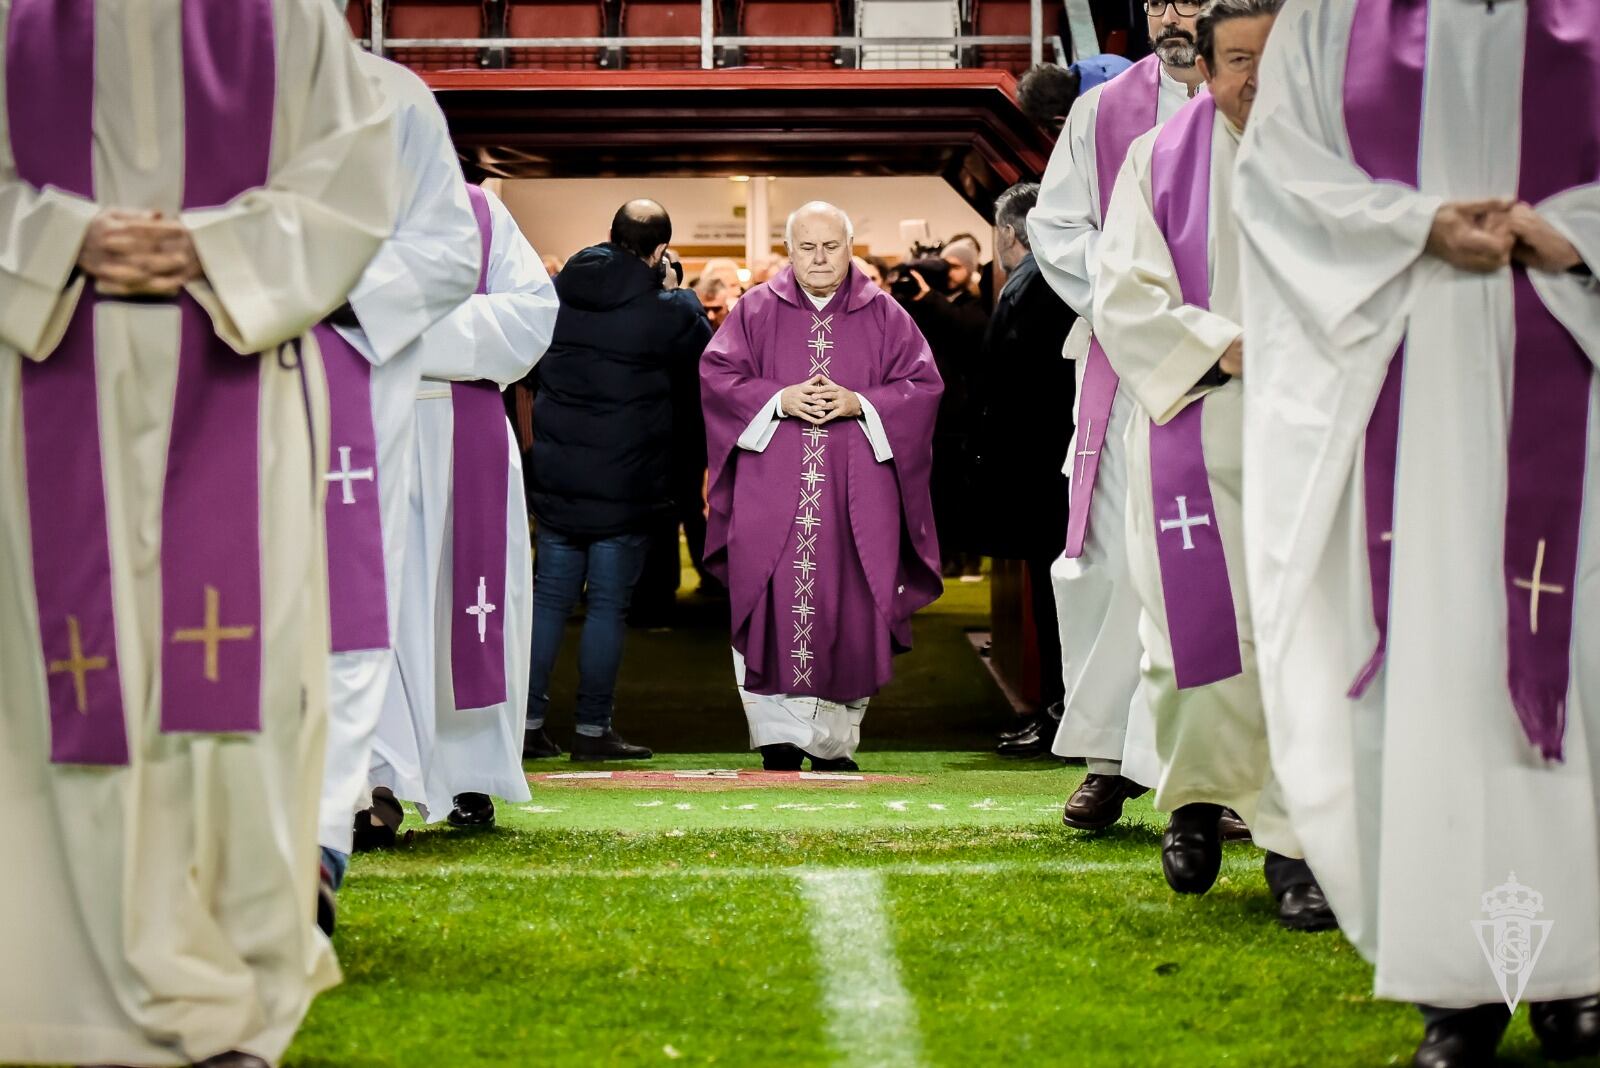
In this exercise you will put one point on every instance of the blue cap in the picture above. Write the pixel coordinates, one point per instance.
(1093, 70)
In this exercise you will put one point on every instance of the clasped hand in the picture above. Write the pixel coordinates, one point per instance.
(819, 401)
(141, 253)
(1485, 235)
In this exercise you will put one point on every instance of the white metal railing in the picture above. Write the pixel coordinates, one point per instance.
(708, 41)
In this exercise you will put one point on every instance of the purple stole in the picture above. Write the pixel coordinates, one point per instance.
(481, 466)
(210, 676)
(358, 600)
(1201, 621)
(1551, 376)
(1127, 109)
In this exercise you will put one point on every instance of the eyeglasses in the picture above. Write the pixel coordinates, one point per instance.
(1187, 9)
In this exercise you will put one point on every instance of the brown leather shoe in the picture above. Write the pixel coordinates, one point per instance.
(1232, 828)
(1097, 802)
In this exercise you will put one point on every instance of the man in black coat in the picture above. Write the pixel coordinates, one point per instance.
(601, 475)
(1022, 393)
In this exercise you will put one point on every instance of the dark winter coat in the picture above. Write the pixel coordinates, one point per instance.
(1022, 396)
(602, 409)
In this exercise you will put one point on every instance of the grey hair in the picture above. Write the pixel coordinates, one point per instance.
(1217, 12)
(818, 207)
(1011, 208)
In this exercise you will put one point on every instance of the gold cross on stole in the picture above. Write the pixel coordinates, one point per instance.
(1536, 586)
(78, 665)
(213, 634)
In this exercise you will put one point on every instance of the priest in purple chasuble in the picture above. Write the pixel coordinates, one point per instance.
(1419, 205)
(820, 397)
(372, 361)
(1167, 311)
(1104, 716)
(450, 735)
(170, 230)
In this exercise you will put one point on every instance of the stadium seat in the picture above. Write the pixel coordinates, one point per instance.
(435, 18)
(557, 18)
(358, 14)
(908, 18)
(788, 18)
(661, 18)
(1010, 18)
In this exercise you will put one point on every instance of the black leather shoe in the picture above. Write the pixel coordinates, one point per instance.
(1031, 743)
(536, 745)
(378, 827)
(1567, 1029)
(836, 764)
(1304, 908)
(1097, 802)
(1048, 719)
(1026, 726)
(1232, 828)
(609, 746)
(1463, 1039)
(1191, 849)
(782, 757)
(472, 812)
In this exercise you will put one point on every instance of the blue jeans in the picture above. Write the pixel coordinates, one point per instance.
(612, 567)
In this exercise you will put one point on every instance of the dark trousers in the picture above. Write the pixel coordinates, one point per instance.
(609, 567)
(1052, 686)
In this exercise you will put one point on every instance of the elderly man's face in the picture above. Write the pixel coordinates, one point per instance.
(1237, 46)
(821, 251)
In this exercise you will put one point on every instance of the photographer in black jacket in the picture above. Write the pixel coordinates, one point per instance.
(602, 442)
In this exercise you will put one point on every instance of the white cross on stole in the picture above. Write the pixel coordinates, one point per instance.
(1084, 454)
(482, 609)
(1185, 522)
(344, 476)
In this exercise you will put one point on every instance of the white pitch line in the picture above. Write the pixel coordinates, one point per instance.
(871, 1016)
(706, 871)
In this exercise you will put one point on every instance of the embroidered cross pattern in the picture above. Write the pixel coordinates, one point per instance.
(1185, 522)
(1536, 586)
(77, 665)
(212, 634)
(482, 609)
(809, 519)
(1085, 453)
(345, 476)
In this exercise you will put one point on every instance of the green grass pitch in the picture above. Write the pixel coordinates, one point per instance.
(945, 921)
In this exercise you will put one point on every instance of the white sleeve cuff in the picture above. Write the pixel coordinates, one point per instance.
(758, 435)
(872, 426)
